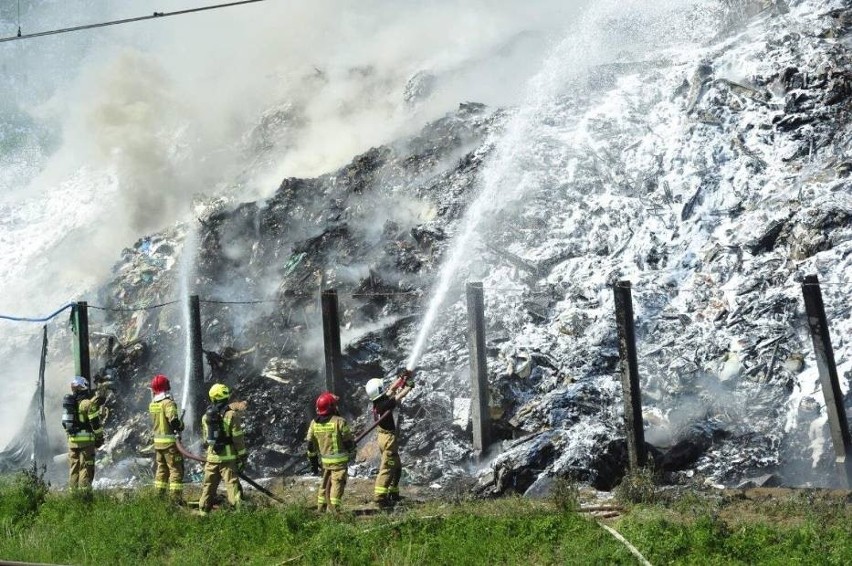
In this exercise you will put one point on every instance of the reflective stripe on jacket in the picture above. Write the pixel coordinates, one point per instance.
(163, 412)
(234, 445)
(332, 439)
(89, 415)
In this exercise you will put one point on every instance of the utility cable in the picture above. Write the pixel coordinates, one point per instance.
(155, 15)
(36, 319)
(249, 302)
(133, 309)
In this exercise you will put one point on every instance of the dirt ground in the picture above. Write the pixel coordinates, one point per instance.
(734, 506)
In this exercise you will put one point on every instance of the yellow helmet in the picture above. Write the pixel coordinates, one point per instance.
(219, 392)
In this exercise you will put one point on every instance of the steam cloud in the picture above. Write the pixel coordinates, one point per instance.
(108, 134)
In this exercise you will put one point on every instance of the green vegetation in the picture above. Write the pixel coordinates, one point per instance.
(22, 496)
(716, 535)
(137, 528)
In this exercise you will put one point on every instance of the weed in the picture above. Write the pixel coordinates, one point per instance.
(23, 495)
(566, 494)
(640, 486)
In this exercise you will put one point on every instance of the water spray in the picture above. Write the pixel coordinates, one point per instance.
(517, 167)
(187, 271)
(508, 178)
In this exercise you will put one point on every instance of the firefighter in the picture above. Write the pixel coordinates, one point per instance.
(81, 419)
(226, 449)
(167, 426)
(330, 441)
(386, 490)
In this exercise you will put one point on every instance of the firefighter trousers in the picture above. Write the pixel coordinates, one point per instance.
(169, 474)
(214, 472)
(390, 468)
(82, 467)
(331, 489)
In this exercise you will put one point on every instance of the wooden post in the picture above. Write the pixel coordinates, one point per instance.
(198, 396)
(837, 422)
(636, 450)
(331, 340)
(478, 369)
(80, 325)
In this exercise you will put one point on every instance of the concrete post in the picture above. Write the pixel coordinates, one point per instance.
(331, 340)
(636, 450)
(478, 369)
(80, 323)
(198, 396)
(837, 422)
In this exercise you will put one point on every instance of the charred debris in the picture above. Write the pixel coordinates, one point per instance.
(722, 342)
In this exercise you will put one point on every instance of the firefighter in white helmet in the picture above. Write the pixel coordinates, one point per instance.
(81, 419)
(386, 490)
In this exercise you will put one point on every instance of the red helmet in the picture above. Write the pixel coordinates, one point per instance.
(160, 384)
(326, 403)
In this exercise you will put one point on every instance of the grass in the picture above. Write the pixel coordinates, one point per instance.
(137, 528)
(751, 527)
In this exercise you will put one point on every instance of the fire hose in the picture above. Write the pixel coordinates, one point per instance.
(187, 454)
(369, 429)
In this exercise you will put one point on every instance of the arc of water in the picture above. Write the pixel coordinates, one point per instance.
(520, 161)
(187, 271)
(504, 180)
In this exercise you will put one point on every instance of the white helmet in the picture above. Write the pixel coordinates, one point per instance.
(375, 388)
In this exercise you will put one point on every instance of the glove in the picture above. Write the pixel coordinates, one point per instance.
(315, 470)
(99, 441)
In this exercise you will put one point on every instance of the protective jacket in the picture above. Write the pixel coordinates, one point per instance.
(165, 420)
(88, 430)
(331, 439)
(382, 405)
(232, 444)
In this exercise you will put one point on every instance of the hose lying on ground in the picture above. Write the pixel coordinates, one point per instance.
(187, 454)
(633, 550)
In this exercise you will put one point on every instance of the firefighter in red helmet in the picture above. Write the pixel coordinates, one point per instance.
(167, 426)
(330, 442)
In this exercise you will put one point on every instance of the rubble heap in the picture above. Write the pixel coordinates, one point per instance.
(714, 176)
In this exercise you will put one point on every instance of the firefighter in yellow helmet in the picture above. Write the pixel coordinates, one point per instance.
(226, 449)
(167, 426)
(81, 419)
(386, 489)
(329, 440)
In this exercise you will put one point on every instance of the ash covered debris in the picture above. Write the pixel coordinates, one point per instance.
(258, 272)
(713, 179)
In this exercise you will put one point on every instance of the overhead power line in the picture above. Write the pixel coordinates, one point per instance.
(155, 15)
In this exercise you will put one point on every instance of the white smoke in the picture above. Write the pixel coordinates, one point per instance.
(106, 134)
